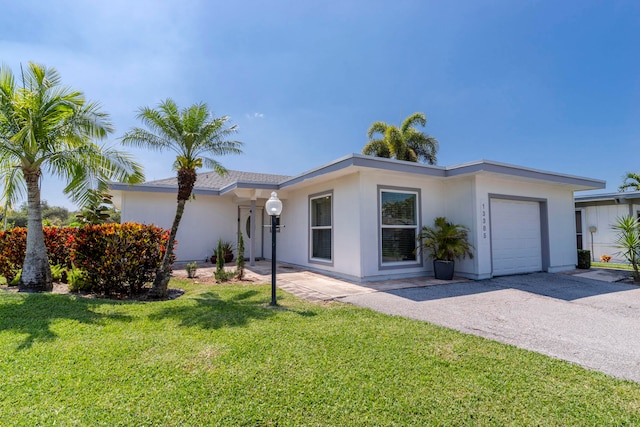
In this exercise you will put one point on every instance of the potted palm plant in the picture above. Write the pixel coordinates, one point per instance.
(227, 250)
(445, 242)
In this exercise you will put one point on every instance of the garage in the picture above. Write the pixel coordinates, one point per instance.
(516, 238)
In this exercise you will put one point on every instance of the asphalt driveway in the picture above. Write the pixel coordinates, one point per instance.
(592, 323)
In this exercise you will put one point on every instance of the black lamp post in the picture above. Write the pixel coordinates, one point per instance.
(274, 208)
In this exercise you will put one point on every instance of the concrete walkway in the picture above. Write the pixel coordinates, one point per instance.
(316, 286)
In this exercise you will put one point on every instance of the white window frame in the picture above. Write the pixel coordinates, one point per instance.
(398, 264)
(326, 261)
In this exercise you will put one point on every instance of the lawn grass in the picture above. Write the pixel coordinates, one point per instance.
(219, 355)
(611, 265)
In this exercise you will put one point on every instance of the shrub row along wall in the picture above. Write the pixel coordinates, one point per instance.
(116, 258)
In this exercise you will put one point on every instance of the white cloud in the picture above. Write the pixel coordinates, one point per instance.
(255, 116)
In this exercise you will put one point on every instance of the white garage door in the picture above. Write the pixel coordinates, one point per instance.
(516, 242)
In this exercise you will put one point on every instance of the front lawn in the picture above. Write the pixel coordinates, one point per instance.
(220, 356)
(611, 265)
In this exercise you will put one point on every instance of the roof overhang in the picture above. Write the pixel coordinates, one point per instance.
(348, 164)
(609, 198)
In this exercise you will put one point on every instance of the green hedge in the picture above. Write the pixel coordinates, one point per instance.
(115, 258)
(119, 258)
(584, 259)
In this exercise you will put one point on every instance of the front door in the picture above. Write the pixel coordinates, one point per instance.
(245, 229)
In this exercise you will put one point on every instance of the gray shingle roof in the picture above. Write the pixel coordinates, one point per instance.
(213, 181)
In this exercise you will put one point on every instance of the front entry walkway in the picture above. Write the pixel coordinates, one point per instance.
(320, 287)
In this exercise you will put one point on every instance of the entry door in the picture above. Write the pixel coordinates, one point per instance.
(245, 228)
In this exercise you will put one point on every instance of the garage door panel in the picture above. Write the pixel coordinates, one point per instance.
(516, 242)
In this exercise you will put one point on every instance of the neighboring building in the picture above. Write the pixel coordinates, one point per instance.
(595, 216)
(358, 216)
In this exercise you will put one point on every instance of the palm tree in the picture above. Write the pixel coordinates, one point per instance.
(631, 181)
(404, 143)
(194, 135)
(48, 128)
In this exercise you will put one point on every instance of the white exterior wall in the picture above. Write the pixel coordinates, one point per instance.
(461, 199)
(560, 214)
(205, 219)
(603, 217)
(461, 208)
(431, 206)
(294, 238)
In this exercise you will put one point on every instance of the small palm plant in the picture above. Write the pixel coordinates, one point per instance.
(445, 242)
(628, 240)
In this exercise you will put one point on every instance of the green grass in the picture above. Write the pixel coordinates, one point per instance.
(220, 356)
(612, 265)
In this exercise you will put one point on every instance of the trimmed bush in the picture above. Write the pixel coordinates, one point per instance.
(13, 245)
(60, 243)
(119, 258)
(584, 259)
(106, 259)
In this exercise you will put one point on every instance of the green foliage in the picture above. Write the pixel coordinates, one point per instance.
(119, 258)
(220, 274)
(446, 241)
(191, 268)
(584, 259)
(60, 242)
(78, 280)
(116, 258)
(210, 357)
(51, 216)
(628, 240)
(98, 208)
(16, 280)
(58, 273)
(240, 259)
(404, 143)
(13, 244)
(227, 251)
(631, 181)
(46, 127)
(196, 137)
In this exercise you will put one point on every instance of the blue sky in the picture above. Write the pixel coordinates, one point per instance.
(551, 85)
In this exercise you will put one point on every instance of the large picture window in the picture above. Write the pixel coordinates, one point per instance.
(321, 227)
(399, 225)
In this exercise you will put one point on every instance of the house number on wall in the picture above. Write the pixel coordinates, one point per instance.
(484, 221)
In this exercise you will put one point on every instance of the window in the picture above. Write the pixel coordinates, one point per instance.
(579, 229)
(321, 227)
(399, 226)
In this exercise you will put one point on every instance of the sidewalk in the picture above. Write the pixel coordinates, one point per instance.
(321, 287)
(315, 286)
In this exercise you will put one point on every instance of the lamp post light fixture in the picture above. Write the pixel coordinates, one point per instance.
(592, 229)
(274, 208)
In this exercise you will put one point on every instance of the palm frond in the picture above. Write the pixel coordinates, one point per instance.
(377, 148)
(377, 127)
(413, 120)
(192, 133)
(631, 181)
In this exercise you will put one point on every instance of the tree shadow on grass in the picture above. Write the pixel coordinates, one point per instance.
(33, 314)
(211, 311)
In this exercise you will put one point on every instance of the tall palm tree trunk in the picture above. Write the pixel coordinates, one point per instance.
(186, 180)
(36, 272)
(160, 288)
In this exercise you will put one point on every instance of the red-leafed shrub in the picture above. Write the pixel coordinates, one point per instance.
(60, 244)
(119, 258)
(13, 245)
(115, 258)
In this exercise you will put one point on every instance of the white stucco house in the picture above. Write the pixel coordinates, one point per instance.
(358, 216)
(595, 216)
